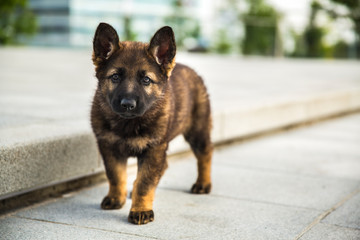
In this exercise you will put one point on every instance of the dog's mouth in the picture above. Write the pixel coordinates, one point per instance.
(128, 115)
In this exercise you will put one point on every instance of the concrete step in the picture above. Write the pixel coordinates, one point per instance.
(45, 99)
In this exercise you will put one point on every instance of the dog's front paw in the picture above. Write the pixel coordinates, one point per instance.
(112, 203)
(142, 217)
(200, 188)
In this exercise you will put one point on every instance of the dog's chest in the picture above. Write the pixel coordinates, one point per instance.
(133, 136)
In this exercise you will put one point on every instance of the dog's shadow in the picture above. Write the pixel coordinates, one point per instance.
(120, 215)
(113, 215)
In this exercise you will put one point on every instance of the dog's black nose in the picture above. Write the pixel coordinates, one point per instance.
(128, 104)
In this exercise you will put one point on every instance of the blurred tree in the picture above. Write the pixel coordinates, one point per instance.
(261, 29)
(313, 34)
(299, 49)
(341, 50)
(222, 44)
(353, 7)
(228, 34)
(310, 42)
(16, 20)
(184, 26)
(129, 34)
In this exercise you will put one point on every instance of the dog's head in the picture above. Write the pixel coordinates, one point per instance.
(132, 76)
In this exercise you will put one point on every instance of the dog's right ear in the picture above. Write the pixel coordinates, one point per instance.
(106, 42)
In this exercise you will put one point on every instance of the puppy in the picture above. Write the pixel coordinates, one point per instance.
(144, 100)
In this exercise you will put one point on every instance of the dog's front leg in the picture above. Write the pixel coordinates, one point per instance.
(151, 166)
(115, 166)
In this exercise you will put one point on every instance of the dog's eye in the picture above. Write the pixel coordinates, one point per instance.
(146, 81)
(115, 78)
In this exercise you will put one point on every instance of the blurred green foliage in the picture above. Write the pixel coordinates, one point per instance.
(247, 26)
(310, 43)
(314, 46)
(129, 34)
(184, 26)
(353, 7)
(16, 20)
(222, 43)
(261, 22)
(262, 36)
(341, 50)
(226, 37)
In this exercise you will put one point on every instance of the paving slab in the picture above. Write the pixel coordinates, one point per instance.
(288, 200)
(196, 217)
(30, 229)
(264, 185)
(293, 152)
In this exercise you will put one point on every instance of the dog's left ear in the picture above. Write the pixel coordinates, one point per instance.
(163, 49)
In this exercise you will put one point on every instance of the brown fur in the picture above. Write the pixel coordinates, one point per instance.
(175, 102)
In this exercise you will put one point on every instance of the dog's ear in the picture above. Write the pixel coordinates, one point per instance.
(106, 42)
(163, 48)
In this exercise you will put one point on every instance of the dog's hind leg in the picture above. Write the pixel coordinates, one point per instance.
(199, 139)
(202, 149)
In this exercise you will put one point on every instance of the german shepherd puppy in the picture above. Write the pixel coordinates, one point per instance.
(143, 101)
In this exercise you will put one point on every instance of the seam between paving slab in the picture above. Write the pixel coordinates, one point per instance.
(84, 227)
(326, 213)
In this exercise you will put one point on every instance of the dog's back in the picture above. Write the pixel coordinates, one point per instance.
(190, 101)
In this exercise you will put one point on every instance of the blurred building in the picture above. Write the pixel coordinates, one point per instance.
(53, 19)
(73, 22)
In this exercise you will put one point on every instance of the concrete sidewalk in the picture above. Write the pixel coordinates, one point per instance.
(301, 184)
(45, 97)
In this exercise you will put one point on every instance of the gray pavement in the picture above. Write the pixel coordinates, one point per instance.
(299, 184)
(45, 97)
